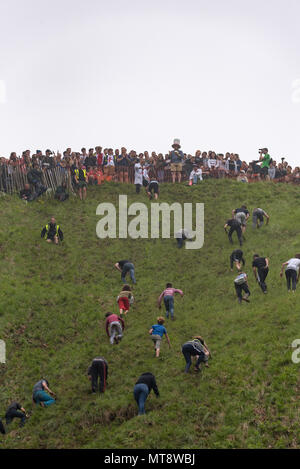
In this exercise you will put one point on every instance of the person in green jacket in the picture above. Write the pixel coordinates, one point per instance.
(265, 161)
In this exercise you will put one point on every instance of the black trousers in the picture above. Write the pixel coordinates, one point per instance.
(262, 275)
(291, 278)
(138, 188)
(238, 230)
(2, 429)
(240, 288)
(13, 413)
(99, 369)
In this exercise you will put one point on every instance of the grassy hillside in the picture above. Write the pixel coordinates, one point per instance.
(52, 306)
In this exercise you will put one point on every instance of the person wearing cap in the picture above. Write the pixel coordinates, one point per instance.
(241, 284)
(195, 348)
(265, 161)
(176, 157)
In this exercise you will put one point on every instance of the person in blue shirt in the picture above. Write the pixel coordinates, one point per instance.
(157, 332)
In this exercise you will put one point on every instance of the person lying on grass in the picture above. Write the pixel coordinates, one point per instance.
(42, 394)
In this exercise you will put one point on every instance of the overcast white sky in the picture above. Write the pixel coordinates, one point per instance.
(137, 73)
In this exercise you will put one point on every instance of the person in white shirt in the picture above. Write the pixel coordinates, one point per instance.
(109, 163)
(292, 272)
(138, 176)
(195, 174)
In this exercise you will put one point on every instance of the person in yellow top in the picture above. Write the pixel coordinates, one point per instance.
(81, 181)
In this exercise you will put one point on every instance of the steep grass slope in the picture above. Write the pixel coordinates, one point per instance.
(52, 306)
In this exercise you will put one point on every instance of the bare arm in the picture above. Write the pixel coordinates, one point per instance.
(168, 340)
(282, 267)
(150, 331)
(118, 267)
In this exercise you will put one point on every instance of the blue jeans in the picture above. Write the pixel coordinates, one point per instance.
(140, 393)
(129, 267)
(42, 396)
(169, 304)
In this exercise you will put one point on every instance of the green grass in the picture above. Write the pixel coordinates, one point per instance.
(53, 301)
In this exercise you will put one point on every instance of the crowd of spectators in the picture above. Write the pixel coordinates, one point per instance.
(118, 165)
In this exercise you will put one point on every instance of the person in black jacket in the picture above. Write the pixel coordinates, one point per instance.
(15, 410)
(237, 258)
(26, 194)
(61, 192)
(98, 368)
(52, 232)
(234, 226)
(260, 266)
(142, 389)
(2, 428)
(35, 177)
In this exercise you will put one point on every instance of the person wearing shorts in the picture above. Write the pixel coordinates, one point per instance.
(81, 181)
(237, 258)
(176, 161)
(292, 272)
(157, 332)
(153, 188)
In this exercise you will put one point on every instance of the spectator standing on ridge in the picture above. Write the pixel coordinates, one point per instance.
(176, 160)
(142, 389)
(258, 218)
(260, 266)
(237, 258)
(124, 267)
(241, 284)
(81, 181)
(98, 369)
(266, 160)
(114, 327)
(157, 332)
(292, 272)
(195, 348)
(168, 296)
(138, 176)
(52, 232)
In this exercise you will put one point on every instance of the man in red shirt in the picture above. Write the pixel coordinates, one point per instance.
(114, 326)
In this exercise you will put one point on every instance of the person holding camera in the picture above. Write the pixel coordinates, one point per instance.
(265, 161)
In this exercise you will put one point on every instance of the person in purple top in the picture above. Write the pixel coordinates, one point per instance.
(168, 296)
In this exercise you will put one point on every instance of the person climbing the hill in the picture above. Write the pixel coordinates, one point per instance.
(15, 410)
(234, 226)
(195, 348)
(237, 258)
(125, 299)
(81, 181)
(168, 296)
(114, 326)
(124, 267)
(52, 232)
(292, 272)
(142, 389)
(98, 369)
(241, 284)
(42, 394)
(153, 188)
(181, 236)
(241, 215)
(157, 332)
(258, 218)
(2, 428)
(260, 266)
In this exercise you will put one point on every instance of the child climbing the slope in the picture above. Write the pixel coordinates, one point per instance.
(168, 296)
(125, 299)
